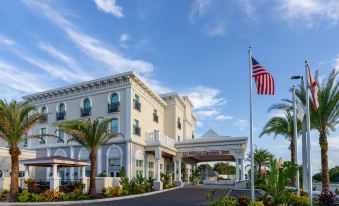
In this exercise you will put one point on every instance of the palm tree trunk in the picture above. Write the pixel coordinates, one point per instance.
(293, 160)
(259, 174)
(14, 151)
(92, 187)
(324, 161)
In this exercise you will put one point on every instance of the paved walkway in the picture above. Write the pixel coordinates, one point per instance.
(179, 197)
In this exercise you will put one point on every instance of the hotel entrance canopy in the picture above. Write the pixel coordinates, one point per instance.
(54, 160)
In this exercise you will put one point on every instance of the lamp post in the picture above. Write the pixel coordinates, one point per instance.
(295, 131)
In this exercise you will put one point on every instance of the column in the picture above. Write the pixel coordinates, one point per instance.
(236, 170)
(26, 171)
(179, 168)
(206, 172)
(128, 160)
(99, 161)
(158, 169)
(48, 170)
(71, 170)
(146, 167)
(175, 170)
(83, 178)
(242, 174)
(54, 182)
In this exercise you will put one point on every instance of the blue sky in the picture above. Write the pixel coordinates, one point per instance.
(196, 47)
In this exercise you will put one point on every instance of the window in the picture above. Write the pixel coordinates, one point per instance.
(139, 172)
(136, 128)
(44, 118)
(114, 162)
(139, 163)
(21, 174)
(151, 174)
(179, 123)
(86, 110)
(25, 143)
(113, 106)
(114, 125)
(155, 116)
(61, 135)
(42, 131)
(151, 165)
(61, 112)
(137, 104)
(1, 174)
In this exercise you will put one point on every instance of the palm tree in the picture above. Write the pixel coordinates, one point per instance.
(15, 121)
(261, 157)
(326, 118)
(91, 135)
(282, 126)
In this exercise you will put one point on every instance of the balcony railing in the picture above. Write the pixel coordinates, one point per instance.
(136, 130)
(114, 107)
(85, 112)
(44, 118)
(157, 137)
(137, 105)
(60, 116)
(155, 118)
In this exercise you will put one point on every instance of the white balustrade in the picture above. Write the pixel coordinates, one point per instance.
(157, 137)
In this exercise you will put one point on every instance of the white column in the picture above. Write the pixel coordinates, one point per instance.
(26, 171)
(158, 169)
(206, 172)
(48, 170)
(242, 174)
(54, 183)
(179, 168)
(128, 160)
(175, 170)
(99, 161)
(83, 178)
(71, 170)
(146, 167)
(236, 170)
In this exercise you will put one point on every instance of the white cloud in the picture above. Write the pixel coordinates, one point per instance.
(200, 8)
(206, 113)
(216, 28)
(13, 77)
(90, 46)
(311, 12)
(123, 39)
(5, 40)
(242, 124)
(110, 7)
(204, 97)
(223, 117)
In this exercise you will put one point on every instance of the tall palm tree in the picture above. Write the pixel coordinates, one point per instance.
(282, 126)
(326, 118)
(261, 157)
(91, 135)
(15, 121)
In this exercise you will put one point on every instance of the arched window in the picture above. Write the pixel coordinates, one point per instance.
(113, 106)
(114, 125)
(61, 112)
(86, 110)
(44, 110)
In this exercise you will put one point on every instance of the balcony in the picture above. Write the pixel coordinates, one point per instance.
(44, 118)
(114, 107)
(60, 116)
(137, 130)
(85, 112)
(137, 105)
(158, 138)
(155, 118)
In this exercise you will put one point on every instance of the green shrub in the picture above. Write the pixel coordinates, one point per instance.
(124, 182)
(24, 196)
(299, 200)
(256, 203)
(113, 191)
(150, 183)
(36, 197)
(70, 196)
(225, 202)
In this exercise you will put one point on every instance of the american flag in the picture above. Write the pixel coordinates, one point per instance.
(263, 79)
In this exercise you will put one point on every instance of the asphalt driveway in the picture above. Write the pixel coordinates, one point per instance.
(178, 197)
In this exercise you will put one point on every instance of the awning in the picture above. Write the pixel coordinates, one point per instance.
(54, 160)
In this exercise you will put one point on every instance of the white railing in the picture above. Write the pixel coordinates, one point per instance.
(157, 137)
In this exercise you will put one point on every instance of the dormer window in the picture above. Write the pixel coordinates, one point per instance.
(155, 116)
(136, 128)
(43, 111)
(179, 123)
(113, 106)
(61, 135)
(86, 109)
(61, 113)
(137, 104)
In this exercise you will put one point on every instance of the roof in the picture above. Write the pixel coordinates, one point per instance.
(54, 160)
(210, 133)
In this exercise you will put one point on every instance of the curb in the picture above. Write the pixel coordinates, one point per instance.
(88, 201)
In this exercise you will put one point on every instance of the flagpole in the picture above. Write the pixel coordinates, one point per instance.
(251, 123)
(308, 129)
(295, 133)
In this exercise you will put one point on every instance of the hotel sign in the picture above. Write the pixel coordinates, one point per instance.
(205, 153)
